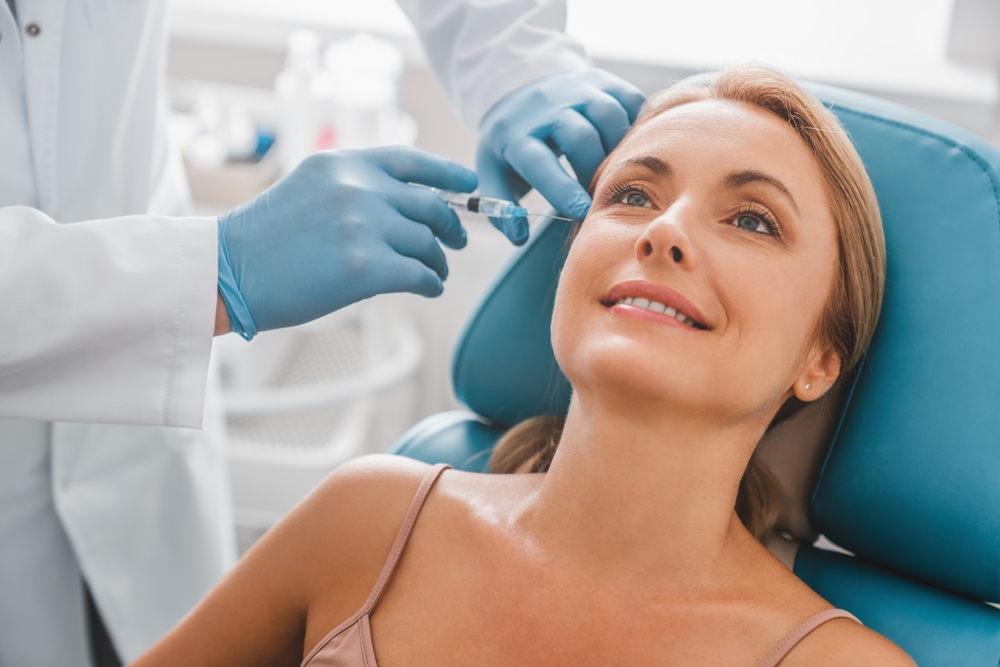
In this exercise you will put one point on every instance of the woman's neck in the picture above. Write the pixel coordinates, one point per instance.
(643, 497)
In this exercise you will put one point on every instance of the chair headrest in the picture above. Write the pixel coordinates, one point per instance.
(504, 368)
(912, 480)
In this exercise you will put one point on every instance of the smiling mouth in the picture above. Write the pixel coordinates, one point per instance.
(660, 301)
(657, 307)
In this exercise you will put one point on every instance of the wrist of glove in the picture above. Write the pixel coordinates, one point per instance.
(582, 115)
(240, 320)
(342, 227)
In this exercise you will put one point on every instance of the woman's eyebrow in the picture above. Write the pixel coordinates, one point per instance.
(651, 162)
(741, 178)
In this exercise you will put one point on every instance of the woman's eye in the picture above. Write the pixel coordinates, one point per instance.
(752, 223)
(635, 199)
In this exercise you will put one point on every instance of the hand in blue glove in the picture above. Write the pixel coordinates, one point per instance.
(582, 115)
(342, 227)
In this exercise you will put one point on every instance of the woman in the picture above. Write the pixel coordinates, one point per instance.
(730, 268)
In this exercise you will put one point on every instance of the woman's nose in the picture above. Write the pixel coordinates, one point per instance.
(666, 239)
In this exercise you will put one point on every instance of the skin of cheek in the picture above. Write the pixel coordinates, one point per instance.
(774, 307)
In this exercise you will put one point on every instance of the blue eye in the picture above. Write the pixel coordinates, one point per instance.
(627, 193)
(752, 223)
(635, 199)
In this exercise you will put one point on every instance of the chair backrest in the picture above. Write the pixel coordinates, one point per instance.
(911, 481)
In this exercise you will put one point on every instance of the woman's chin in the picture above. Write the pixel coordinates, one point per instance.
(620, 369)
(617, 375)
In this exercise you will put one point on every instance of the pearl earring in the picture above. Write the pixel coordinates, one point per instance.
(808, 386)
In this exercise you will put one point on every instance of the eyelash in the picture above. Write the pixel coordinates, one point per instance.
(619, 190)
(761, 213)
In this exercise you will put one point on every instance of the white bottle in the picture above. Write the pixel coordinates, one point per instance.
(365, 76)
(303, 91)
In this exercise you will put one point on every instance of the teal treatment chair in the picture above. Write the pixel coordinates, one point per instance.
(907, 468)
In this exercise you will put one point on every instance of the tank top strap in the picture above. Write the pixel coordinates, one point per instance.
(798, 634)
(404, 534)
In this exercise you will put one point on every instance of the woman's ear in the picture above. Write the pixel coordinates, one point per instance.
(821, 371)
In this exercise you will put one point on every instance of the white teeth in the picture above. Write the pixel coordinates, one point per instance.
(657, 307)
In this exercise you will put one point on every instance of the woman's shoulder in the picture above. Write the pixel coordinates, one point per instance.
(363, 501)
(360, 506)
(846, 643)
(342, 533)
(356, 513)
(378, 481)
(377, 489)
(841, 641)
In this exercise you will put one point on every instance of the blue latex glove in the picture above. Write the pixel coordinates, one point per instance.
(342, 227)
(582, 115)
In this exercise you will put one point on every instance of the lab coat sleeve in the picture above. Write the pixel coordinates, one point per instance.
(480, 50)
(107, 320)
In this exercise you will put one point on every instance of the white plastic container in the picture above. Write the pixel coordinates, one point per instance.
(364, 79)
(304, 94)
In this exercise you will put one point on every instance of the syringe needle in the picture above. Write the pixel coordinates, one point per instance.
(554, 217)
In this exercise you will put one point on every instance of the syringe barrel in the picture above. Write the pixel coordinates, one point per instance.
(495, 208)
(456, 200)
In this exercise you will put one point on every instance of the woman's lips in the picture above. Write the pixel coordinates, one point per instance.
(654, 303)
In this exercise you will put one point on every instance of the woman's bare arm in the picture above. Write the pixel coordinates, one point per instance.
(318, 564)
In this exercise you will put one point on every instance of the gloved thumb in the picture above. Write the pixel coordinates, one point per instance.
(499, 181)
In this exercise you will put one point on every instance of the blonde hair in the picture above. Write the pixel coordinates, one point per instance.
(852, 309)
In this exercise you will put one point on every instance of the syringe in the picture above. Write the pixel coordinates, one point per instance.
(494, 208)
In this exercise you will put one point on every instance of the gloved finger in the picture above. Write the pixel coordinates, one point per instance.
(414, 276)
(498, 180)
(580, 142)
(608, 117)
(412, 165)
(423, 206)
(515, 229)
(539, 166)
(411, 239)
(629, 96)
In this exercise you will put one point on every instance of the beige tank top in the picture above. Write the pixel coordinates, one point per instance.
(350, 643)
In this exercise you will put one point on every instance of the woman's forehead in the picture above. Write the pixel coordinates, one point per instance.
(723, 136)
(719, 126)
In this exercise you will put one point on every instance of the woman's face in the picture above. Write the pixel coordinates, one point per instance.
(699, 276)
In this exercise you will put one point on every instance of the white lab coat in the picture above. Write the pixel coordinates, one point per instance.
(110, 319)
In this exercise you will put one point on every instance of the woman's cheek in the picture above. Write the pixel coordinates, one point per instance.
(577, 287)
(597, 261)
(561, 326)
